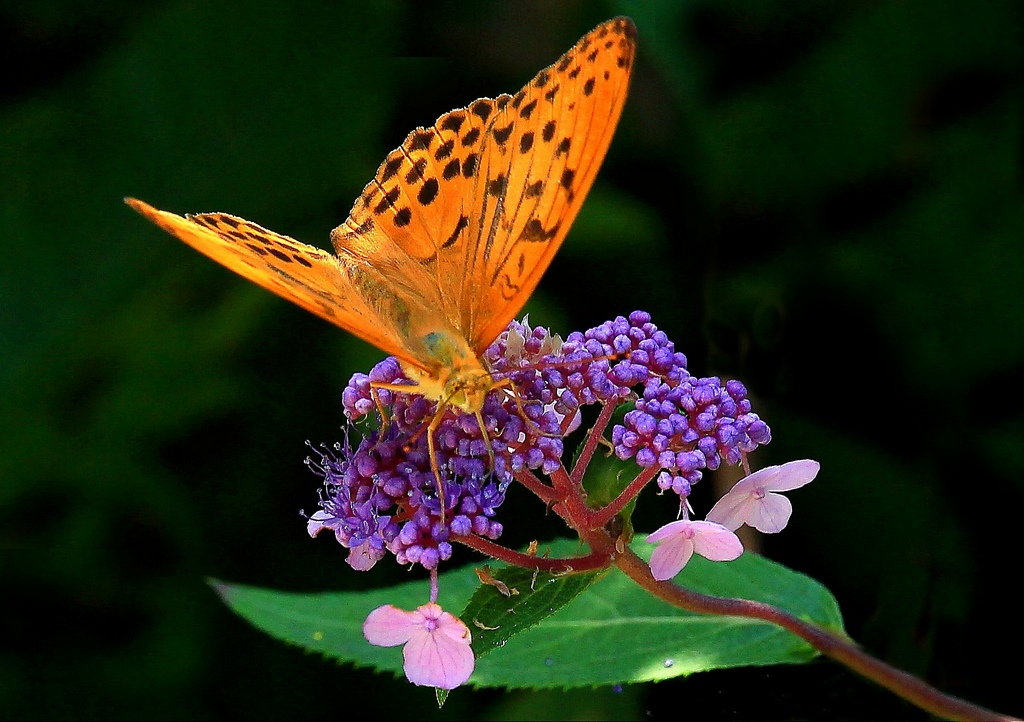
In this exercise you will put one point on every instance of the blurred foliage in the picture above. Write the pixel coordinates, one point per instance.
(822, 198)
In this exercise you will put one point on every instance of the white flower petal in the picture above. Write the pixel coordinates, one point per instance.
(316, 522)
(389, 626)
(440, 658)
(671, 555)
(669, 530)
(715, 542)
(731, 510)
(793, 475)
(363, 557)
(771, 514)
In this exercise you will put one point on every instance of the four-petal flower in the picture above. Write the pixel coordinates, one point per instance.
(679, 540)
(436, 652)
(753, 501)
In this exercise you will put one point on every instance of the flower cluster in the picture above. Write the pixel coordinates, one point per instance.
(686, 424)
(381, 496)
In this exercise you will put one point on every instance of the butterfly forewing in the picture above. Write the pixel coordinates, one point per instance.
(477, 204)
(558, 130)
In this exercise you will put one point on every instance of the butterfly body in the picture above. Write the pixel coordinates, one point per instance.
(444, 246)
(457, 378)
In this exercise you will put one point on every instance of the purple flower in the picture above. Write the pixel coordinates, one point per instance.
(685, 424)
(381, 496)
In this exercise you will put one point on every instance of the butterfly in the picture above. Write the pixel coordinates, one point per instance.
(444, 246)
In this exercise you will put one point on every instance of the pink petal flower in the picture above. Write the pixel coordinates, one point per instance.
(753, 501)
(678, 541)
(437, 651)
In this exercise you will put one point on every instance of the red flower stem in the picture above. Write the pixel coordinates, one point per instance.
(839, 648)
(594, 437)
(572, 502)
(604, 515)
(594, 560)
(528, 479)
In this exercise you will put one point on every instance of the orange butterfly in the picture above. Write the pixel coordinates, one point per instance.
(446, 243)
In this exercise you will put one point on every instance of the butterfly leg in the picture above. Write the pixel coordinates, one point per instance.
(401, 388)
(385, 419)
(432, 451)
(487, 439)
(429, 429)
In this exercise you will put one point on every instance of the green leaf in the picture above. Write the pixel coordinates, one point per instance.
(610, 632)
(495, 618)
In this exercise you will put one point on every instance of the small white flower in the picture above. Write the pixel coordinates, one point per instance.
(678, 541)
(436, 652)
(753, 501)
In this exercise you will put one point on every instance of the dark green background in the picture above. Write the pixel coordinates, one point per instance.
(821, 198)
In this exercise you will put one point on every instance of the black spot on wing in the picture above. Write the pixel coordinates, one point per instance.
(501, 134)
(459, 227)
(453, 122)
(391, 167)
(415, 173)
(421, 140)
(280, 255)
(428, 192)
(388, 200)
(534, 231)
(444, 150)
(496, 186)
(482, 109)
(548, 132)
